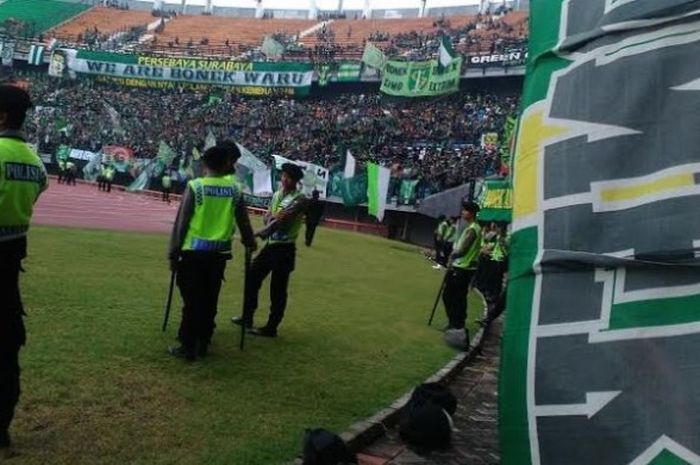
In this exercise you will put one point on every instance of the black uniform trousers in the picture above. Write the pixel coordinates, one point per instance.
(12, 338)
(199, 278)
(310, 231)
(455, 296)
(279, 260)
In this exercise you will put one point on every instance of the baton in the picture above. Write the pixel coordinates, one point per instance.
(246, 267)
(437, 299)
(170, 300)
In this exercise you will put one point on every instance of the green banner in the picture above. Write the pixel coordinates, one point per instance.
(420, 78)
(354, 190)
(349, 71)
(496, 201)
(507, 143)
(602, 329)
(251, 78)
(407, 191)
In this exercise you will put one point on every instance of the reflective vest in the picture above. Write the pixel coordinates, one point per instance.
(109, 173)
(441, 230)
(289, 234)
(212, 227)
(22, 178)
(469, 260)
(166, 181)
(450, 233)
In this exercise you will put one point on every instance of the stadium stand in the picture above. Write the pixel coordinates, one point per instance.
(106, 21)
(38, 15)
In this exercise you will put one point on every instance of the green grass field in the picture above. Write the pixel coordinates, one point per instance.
(98, 386)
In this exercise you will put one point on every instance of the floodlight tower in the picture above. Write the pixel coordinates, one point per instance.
(209, 8)
(183, 7)
(421, 12)
(259, 10)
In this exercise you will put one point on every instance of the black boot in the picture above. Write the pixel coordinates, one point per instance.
(264, 331)
(181, 352)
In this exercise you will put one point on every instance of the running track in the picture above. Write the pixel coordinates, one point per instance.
(83, 206)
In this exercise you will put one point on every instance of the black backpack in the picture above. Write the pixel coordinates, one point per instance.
(435, 393)
(425, 427)
(425, 422)
(321, 447)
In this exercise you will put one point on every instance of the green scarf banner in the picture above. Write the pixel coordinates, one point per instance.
(420, 78)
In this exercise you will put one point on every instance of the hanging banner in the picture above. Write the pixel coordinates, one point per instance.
(511, 58)
(599, 362)
(420, 78)
(252, 78)
(315, 177)
(120, 157)
(496, 201)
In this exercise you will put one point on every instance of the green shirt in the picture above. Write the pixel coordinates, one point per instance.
(22, 179)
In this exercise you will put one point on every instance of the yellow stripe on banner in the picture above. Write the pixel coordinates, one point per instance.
(618, 194)
(535, 134)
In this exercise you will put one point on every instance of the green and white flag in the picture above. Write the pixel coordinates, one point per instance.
(349, 71)
(377, 189)
(373, 57)
(446, 54)
(272, 48)
(36, 55)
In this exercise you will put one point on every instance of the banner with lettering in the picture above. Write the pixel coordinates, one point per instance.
(486, 60)
(252, 78)
(602, 331)
(420, 78)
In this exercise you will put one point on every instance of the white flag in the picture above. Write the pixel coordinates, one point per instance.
(262, 182)
(349, 165)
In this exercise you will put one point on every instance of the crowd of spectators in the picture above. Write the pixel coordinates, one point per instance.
(437, 141)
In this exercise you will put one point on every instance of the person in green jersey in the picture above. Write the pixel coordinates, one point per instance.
(462, 267)
(282, 224)
(201, 243)
(22, 179)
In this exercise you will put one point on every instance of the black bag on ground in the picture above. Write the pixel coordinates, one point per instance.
(425, 427)
(435, 393)
(321, 447)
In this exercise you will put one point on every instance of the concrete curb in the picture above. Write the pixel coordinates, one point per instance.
(363, 433)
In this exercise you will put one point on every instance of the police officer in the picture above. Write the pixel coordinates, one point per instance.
(462, 267)
(201, 244)
(22, 179)
(282, 224)
(108, 177)
(167, 184)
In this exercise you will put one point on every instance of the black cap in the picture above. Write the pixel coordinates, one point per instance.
(470, 206)
(231, 148)
(13, 98)
(293, 171)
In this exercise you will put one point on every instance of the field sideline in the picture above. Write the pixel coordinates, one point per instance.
(98, 386)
